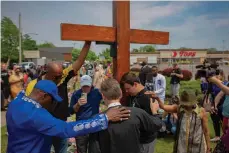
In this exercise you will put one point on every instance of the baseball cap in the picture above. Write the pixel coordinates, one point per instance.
(50, 88)
(85, 80)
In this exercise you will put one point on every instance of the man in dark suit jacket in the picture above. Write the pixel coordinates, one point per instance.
(124, 137)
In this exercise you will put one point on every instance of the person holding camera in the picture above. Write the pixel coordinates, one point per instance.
(225, 112)
(176, 76)
(217, 118)
(85, 103)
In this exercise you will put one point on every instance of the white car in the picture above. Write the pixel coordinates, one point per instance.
(27, 65)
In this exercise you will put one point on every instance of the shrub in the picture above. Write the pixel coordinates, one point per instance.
(187, 74)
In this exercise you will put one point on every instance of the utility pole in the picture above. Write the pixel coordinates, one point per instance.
(223, 48)
(20, 49)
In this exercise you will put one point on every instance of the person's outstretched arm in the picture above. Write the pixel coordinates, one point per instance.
(167, 108)
(46, 124)
(83, 54)
(218, 82)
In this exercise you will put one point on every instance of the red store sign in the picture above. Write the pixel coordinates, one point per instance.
(184, 53)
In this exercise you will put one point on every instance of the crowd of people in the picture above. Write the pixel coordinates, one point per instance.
(14, 78)
(136, 110)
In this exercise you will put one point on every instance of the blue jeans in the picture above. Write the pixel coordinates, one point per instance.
(170, 126)
(60, 144)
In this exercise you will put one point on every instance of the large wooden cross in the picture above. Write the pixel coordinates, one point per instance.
(119, 36)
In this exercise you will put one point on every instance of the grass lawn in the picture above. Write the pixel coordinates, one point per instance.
(3, 139)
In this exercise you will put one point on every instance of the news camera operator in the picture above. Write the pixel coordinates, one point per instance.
(225, 113)
(207, 70)
(217, 117)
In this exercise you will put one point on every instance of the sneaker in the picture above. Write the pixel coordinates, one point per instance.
(215, 139)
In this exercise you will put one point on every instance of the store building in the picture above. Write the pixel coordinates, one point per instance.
(194, 56)
(45, 55)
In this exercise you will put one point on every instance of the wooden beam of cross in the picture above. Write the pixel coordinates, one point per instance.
(120, 35)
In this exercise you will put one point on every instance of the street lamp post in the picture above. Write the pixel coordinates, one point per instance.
(223, 48)
(20, 39)
(20, 45)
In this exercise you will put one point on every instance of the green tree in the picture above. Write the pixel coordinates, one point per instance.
(9, 40)
(212, 50)
(135, 50)
(106, 54)
(29, 43)
(184, 48)
(75, 54)
(147, 48)
(91, 56)
(46, 45)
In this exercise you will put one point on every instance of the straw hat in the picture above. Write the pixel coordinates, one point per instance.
(188, 98)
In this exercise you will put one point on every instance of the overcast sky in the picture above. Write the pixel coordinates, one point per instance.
(191, 24)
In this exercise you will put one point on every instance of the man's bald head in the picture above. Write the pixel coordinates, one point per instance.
(54, 67)
(54, 72)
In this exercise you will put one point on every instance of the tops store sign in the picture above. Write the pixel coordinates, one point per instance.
(184, 53)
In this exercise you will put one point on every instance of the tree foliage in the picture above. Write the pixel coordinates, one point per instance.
(135, 50)
(46, 45)
(29, 43)
(106, 54)
(184, 48)
(91, 56)
(75, 54)
(212, 50)
(9, 40)
(145, 49)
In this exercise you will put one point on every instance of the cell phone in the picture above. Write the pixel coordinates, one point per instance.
(84, 95)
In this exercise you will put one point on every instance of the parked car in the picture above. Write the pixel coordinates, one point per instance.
(27, 65)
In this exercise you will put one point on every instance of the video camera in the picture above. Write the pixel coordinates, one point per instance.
(207, 70)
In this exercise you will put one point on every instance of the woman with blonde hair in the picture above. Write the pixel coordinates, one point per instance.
(98, 77)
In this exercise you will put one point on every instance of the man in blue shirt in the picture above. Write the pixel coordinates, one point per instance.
(30, 125)
(85, 107)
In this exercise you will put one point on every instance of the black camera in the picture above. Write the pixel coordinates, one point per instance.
(207, 70)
